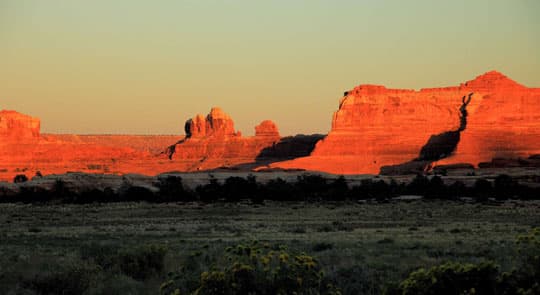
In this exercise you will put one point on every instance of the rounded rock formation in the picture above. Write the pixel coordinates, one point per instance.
(216, 124)
(267, 128)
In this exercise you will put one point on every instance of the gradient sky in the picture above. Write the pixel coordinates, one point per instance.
(144, 67)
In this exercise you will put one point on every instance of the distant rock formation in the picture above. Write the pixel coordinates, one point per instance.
(266, 128)
(216, 124)
(375, 126)
(24, 150)
(17, 126)
(375, 129)
(212, 142)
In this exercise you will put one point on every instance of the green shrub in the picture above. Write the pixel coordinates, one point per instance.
(451, 278)
(525, 279)
(529, 252)
(483, 278)
(256, 269)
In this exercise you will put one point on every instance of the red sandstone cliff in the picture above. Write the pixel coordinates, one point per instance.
(210, 142)
(505, 122)
(23, 150)
(375, 126)
(17, 126)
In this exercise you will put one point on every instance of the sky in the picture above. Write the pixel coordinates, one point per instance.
(145, 67)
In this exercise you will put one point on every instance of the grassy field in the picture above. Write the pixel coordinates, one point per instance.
(360, 246)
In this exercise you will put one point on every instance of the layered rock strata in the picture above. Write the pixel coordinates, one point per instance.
(213, 142)
(376, 126)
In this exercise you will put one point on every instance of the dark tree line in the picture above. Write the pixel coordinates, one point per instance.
(306, 188)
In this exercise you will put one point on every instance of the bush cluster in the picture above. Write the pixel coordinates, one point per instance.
(255, 269)
(307, 187)
(482, 278)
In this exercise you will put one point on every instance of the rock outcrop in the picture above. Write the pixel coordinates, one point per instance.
(505, 122)
(375, 129)
(211, 142)
(24, 150)
(216, 124)
(266, 128)
(375, 126)
(17, 126)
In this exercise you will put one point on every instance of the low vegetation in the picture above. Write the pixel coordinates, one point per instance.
(480, 278)
(307, 187)
(419, 247)
(253, 269)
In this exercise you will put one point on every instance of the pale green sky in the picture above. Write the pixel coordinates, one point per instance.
(144, 67)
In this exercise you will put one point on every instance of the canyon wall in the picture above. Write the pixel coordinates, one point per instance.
(375, 129)
(210, 142)
(15, 126)
(376, 126)
(24, 150)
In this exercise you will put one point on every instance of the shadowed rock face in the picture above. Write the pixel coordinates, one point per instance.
(439, 146)
(376, 126)
(444, 144)
(290, 147)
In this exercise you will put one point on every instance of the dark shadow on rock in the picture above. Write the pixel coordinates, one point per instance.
(438, 146)
(442, 145)
(290, 147)
(287, 148)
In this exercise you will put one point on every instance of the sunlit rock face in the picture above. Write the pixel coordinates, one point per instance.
(216, 124)
(210, 142)
(266, 128)
(213, 142)
(24, 150)
(373, 128)
(376, 126)
(504, 124)
(16, 126)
